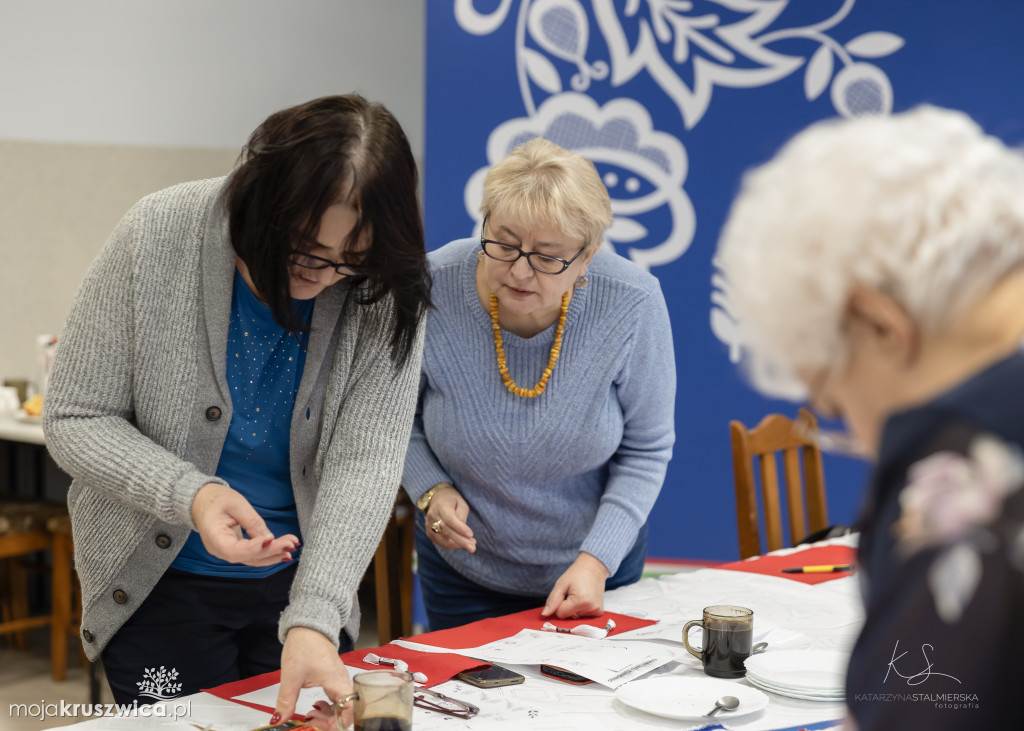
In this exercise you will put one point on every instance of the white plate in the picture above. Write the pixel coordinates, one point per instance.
(689, 699)
(780, 639)
(805, 671)
(790, 693)
(22, 416)
(773, 687)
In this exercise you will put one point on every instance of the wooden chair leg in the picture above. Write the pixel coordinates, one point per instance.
(61, 608)
(7, 612)
(407, 537)
(19, 599)
(387, 578)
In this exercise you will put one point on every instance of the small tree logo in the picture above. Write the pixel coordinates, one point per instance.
(159, 683)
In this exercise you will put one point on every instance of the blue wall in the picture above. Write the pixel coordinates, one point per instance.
(673, 107)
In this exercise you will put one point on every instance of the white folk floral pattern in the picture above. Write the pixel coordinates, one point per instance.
(951, 501)
(569, 54)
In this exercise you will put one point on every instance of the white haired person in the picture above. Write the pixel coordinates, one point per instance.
(878, 264)
(545, 419)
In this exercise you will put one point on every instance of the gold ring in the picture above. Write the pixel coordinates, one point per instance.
(338, 704)
(437, 526)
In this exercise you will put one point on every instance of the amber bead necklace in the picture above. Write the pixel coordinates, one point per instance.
(556, 347)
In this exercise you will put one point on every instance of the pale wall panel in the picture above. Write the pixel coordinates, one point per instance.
(199, 73)
(58, 205)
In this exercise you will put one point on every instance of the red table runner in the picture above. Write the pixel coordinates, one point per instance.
(816, 556)
(437, 666)
(497, 628)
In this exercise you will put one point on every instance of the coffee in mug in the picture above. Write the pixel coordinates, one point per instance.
(728, 636)
(383, 701)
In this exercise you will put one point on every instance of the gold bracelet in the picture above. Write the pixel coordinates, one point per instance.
(424, 502)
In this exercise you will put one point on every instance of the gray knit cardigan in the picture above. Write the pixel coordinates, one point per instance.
(137, 410)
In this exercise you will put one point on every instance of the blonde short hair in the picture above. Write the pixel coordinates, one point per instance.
(922, 206)
(539, 183)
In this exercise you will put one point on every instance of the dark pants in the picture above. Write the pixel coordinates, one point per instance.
(452, 600)
(203, 630)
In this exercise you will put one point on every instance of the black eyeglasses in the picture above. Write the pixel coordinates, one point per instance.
(434, 701)
(509, 254)
(309, 261)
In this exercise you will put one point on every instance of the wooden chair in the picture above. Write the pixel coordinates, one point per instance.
(66, 597)
(23, 532)
(392, 573)
(774, 434)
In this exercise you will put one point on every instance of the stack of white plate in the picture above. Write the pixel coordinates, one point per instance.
(812, 675)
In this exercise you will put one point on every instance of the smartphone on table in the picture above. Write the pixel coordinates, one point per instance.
(493, 677)
(566, 676)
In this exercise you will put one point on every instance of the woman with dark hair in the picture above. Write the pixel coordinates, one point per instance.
(235, 387)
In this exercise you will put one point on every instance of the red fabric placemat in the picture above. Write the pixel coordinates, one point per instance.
(497, 628)
(817, 556)
(437, 666)
(229, 691)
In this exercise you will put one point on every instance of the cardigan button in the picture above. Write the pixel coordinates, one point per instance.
(163, 540)
(213, 413)
(120, 596)
(87, 635)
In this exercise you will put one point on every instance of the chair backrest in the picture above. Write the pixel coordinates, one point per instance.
(760, 445)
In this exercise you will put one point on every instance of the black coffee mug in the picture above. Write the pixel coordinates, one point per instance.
(728, 635)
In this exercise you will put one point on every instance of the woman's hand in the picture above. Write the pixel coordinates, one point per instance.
(310, 660)
(579, 592)
(221, 514)
(449, 507)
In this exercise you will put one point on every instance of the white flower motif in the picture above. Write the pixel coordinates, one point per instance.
(949, 496)
(645, 170)
(950, 501)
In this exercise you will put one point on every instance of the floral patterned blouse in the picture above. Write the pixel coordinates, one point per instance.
(942, 564)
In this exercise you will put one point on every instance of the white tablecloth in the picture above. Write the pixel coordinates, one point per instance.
(823, 616)
(18, 429)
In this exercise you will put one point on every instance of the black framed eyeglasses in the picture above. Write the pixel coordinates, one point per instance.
(440, 703)
(309, 261)
(509, 254)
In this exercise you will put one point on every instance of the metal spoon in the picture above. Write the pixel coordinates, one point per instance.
(725, 703)
(758, 648)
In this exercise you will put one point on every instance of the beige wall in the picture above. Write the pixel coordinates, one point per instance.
(58, 205)
(105, 102)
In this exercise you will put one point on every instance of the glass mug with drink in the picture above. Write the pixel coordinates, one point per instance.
(383, 701)
(728, 636)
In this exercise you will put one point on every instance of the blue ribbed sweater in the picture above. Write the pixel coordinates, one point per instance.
(577, 468)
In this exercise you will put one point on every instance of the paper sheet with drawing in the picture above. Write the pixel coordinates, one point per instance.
(606, 662)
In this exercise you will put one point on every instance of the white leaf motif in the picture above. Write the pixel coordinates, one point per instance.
(953, 578)
(728, 332)
(875, 44)
(542, 71)
(625, 230)
(819, 73)
(478, 23)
